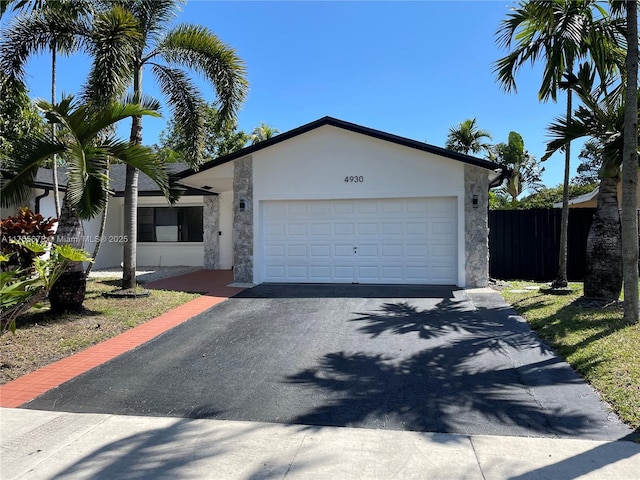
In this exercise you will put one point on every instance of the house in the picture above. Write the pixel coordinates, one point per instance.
(327, 202)
(335, 202)
(590, 200)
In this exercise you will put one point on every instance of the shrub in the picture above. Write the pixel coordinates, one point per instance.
(26, 225)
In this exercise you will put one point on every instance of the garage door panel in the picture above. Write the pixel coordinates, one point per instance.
(364, 241)
(344, 273)
(391, 228)
(297, 251)
(344, 228)
(323, 251)
(367, 228)
(392, 250)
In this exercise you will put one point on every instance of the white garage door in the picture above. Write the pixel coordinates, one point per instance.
(388, 241)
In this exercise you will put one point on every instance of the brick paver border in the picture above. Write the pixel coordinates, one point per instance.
(34, 384)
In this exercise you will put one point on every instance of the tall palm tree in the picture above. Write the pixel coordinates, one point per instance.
(50, 25)
(602, 119)
(262, 132)
(629, 173)
(562, 32)
(467, 138)
(169, 54)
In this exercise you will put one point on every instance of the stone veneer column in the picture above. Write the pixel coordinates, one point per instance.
(243, 221)
(476, 227)
(211, 227)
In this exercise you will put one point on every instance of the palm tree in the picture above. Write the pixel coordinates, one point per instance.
(119, 61)
(467, 138)
(83, 141)
(562, 32)
(602, 119)
(48, 25)
(526, 171)
(629, 173)
(262, 132)
(88, 149)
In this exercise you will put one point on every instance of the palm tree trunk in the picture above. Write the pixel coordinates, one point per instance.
(130, 222)
(54, 166)
(131, 196)
(70, 232)
(96, 249)
(630, 171)
(561, 279)
(603, 275)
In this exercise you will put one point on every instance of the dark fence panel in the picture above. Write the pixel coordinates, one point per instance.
(523, 244)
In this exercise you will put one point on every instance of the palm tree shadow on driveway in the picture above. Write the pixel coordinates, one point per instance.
(480, 371)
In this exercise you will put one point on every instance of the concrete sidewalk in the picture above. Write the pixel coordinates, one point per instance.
(50, 445)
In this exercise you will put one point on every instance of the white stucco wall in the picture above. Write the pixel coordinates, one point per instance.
(314, 166)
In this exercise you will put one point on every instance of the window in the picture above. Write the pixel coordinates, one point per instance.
(170, 224)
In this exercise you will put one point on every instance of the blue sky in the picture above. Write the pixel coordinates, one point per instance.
(413, 69)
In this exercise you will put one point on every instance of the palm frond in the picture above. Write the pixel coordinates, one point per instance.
(199, 49)
(23, 37)
(142, 158)
(187, 104)
(88, 183)
(26, 157)
(114, 42)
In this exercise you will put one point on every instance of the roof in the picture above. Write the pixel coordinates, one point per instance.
(587, 197)
(118, 175)
(352, 127)
(146, 186)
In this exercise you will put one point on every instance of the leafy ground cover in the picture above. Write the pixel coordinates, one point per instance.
(42, 338)
(592, 337)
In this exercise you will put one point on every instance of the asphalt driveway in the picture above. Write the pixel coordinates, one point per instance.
(404, 358)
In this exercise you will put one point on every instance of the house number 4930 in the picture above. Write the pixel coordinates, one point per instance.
(354, 179)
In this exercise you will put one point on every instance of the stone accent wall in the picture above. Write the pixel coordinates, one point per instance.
(243, 221)
(476, 227)
(211, 227)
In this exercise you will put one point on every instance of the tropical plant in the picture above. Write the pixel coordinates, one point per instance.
(129, 35)
(467, 138)
(221, 138)
(526, 170)
(18, 116)
(88, 150)
(52, 25)
(588, 171)
(262, 132)
(83, 143)
(562, 33)
(601, 118)
(24, 225)
(21, 289)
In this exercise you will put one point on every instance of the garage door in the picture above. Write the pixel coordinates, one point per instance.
(394, 241)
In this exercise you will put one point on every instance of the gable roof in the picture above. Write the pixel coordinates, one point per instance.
(352, 127)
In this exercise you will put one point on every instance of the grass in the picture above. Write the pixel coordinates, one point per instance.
(592, 337)
(42, 338)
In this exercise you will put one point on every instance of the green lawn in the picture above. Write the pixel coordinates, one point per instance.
(592, 337)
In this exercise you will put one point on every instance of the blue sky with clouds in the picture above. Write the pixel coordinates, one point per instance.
(409, 68)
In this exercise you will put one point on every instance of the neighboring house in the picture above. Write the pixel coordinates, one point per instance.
(328, 202)
(590, 200)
